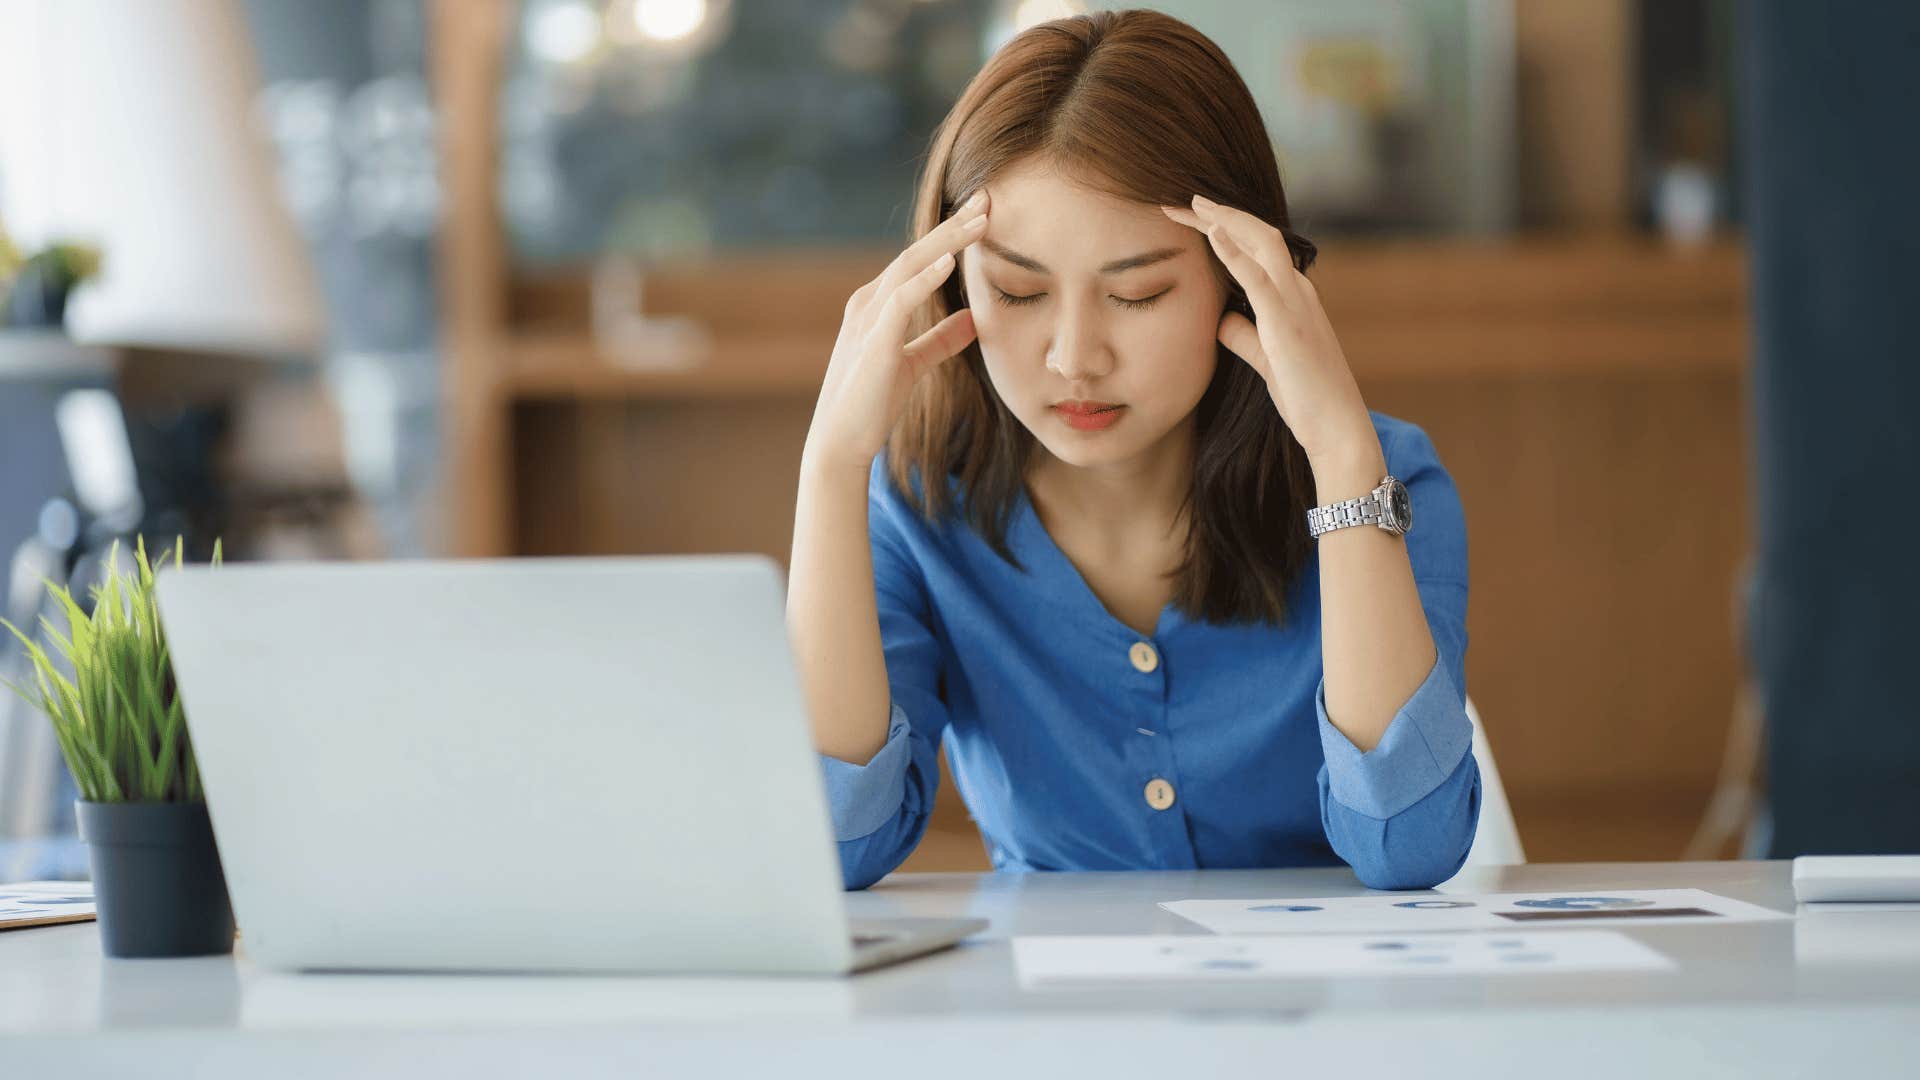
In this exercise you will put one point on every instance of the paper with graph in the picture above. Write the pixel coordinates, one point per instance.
(44, 903)
(1079, 960)
(1418, 912)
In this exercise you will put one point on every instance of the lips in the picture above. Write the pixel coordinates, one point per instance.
(1085, 408)
(1089, 415)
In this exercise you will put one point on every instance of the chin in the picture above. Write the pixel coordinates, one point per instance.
(1078, 456)
(1083, 452)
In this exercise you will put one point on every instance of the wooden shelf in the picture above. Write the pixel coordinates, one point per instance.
(562, 366)
(1543, 345)
(1600, 306)
(570, 367)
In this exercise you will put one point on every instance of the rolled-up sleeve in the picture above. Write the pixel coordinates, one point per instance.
(880, 809)
(1403, 814)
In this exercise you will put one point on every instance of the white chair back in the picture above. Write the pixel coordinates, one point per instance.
(1496, 840)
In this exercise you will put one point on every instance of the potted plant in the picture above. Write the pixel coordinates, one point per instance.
(44, 281)
(158, 886)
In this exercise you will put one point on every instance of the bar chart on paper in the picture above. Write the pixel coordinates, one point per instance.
(1401, 913)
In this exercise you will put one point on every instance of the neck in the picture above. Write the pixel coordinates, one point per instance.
(1138, 498)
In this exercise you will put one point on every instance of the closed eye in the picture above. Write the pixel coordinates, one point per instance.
(1143, 302)
(1010, 300)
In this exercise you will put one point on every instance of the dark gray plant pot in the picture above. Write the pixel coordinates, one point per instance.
(157, 883)
(37, 300)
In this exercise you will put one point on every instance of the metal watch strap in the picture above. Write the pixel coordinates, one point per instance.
(1364, 510)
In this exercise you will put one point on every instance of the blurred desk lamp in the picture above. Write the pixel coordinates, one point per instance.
(151, 150)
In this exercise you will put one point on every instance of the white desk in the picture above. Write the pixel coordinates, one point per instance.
(1833, 995)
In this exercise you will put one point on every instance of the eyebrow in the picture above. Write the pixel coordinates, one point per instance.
(1131, 262)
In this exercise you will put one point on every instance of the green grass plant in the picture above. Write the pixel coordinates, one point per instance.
(107, 686)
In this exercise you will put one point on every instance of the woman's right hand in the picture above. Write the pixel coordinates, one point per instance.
(873, 369)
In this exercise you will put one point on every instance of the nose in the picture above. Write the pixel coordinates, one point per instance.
(1078, 352)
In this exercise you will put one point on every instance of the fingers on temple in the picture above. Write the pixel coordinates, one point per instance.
(891, 322)
(965, 226)
(1261, 241)
(1248, 271)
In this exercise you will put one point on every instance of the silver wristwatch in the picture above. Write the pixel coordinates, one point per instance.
(1386, 506)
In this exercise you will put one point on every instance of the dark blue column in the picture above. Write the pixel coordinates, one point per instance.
(1831, 111)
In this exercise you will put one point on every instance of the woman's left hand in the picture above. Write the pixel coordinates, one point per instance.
(1289, 342)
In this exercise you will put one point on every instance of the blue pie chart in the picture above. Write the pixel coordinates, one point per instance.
(1582, 903)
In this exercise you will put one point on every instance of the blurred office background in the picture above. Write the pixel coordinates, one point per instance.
(400, 278)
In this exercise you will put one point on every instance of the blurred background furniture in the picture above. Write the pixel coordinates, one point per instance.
(106, 444)
(43, 527)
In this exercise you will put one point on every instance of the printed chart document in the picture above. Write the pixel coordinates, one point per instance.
(1070, 959)
(1415, 912)
(44, 903)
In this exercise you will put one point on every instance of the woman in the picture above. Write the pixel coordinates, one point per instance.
(1054, 506)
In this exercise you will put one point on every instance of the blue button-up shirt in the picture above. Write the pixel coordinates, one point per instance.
(1067, 738)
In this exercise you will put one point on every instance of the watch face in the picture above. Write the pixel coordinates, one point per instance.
(1401, 505)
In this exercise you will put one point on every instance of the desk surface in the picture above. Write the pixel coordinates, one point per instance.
(53, 358)
(1762, 996)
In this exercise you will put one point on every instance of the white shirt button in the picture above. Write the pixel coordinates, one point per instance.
(1143, 657)
(1159, 794)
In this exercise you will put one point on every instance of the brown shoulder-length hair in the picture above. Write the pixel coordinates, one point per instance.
(1143, 106)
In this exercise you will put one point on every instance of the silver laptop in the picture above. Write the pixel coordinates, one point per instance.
(556, 765)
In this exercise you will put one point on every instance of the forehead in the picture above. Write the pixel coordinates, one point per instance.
(1046, 214)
